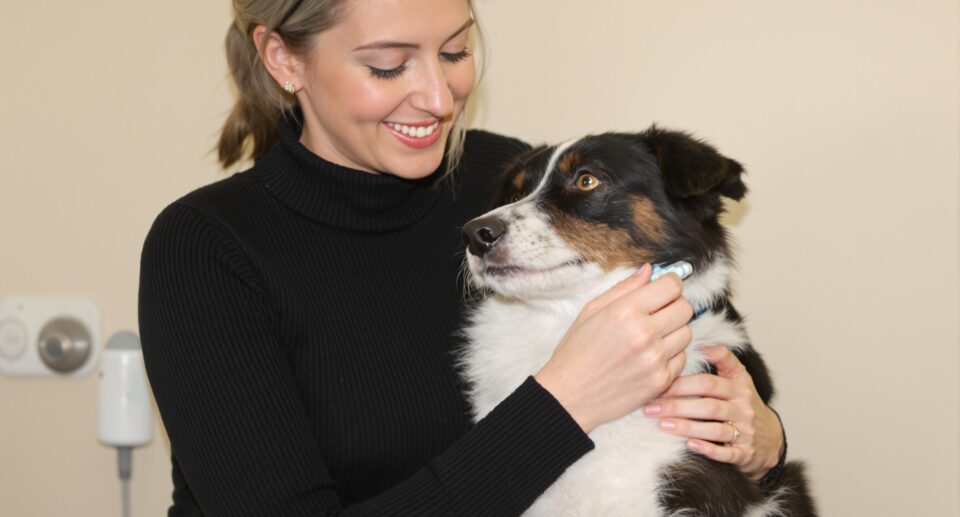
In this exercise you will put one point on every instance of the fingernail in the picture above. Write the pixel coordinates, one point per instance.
(693, 446)
(668, 425)
(653, 409)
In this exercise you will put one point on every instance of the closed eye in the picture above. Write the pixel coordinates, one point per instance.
(381, 73)
(450, 57)
(456, 57)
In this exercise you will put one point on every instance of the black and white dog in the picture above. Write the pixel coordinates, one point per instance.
(573, 220)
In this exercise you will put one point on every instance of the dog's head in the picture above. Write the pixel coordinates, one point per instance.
(568, 214)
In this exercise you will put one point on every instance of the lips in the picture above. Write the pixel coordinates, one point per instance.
(509, 269)
(417, 135)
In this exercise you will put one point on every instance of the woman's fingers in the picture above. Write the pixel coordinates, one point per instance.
(722, 358)
(676, 363)
(656, 295)
(702, 385)
(673, 316)
(706, 408)
(719, 432)
(631, 283)
(722, 453)
(676, 343)
(643, 300)
(696, 409)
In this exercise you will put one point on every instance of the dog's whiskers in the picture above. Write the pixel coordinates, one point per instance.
(470, 291)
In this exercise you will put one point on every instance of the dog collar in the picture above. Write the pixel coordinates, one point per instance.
(699, 311)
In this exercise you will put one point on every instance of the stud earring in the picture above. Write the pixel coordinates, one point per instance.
(289, 87)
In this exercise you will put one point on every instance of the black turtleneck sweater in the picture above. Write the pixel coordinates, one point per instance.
(298, 324)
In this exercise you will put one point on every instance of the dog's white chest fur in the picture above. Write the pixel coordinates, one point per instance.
(509, 340)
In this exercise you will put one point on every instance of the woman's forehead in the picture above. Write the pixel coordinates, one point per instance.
(415, 22)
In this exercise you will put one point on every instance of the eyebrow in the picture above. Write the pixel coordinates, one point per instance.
(399, 44)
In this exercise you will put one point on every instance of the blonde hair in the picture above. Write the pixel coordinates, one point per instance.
(251, 127)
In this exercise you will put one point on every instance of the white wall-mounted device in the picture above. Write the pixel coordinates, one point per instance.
(126, 415)
(46, 337)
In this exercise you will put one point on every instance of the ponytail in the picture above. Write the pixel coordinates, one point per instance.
(251, 128)
(251, 125)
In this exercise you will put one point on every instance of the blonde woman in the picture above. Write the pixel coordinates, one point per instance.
(298, 318)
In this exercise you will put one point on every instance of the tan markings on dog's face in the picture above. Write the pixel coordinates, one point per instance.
(519, 179)
(647, 220)
(569, 162)
(607, 247)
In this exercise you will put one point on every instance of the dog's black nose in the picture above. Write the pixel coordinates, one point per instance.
(481, 235)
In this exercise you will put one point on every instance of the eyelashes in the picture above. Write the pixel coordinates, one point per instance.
(380, 73)
(449, 57)
(456, 57)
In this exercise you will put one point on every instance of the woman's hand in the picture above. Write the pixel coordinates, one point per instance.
(721, 404)
(624, 349)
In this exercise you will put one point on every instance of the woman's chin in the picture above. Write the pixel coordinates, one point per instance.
(416, 166)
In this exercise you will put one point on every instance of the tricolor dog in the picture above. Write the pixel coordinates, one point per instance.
(572, 221)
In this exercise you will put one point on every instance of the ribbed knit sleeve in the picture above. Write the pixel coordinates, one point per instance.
(220, 380)
(237, 424)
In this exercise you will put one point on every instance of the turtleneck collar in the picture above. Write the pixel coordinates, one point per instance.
(340, 196)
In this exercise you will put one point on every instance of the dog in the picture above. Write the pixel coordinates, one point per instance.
(571, 221)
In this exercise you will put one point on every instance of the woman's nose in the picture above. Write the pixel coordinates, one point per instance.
(432, 92)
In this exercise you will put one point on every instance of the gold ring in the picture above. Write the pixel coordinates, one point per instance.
(736, 434)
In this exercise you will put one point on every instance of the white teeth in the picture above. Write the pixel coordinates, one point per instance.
(415, 132)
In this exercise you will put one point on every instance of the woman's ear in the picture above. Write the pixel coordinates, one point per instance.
(282, 64)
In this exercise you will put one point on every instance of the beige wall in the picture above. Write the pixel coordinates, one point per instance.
(846, 113)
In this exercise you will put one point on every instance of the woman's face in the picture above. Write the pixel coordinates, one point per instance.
(381, 89)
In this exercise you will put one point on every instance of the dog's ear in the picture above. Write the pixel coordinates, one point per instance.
(691, 167)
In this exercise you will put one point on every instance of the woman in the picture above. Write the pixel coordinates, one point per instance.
(297, 318)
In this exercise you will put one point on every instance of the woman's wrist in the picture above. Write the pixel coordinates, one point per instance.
(553, 386)
(772, 475)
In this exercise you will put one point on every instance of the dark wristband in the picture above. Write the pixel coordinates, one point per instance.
(774, 474)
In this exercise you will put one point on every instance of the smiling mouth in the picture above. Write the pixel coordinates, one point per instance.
(501, 270)
(416, 136)
(414, 130)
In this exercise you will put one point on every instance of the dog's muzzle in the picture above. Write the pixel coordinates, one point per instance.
(482, 234)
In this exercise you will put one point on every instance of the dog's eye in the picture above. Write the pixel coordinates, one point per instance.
(514, 198)
(587, 181)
